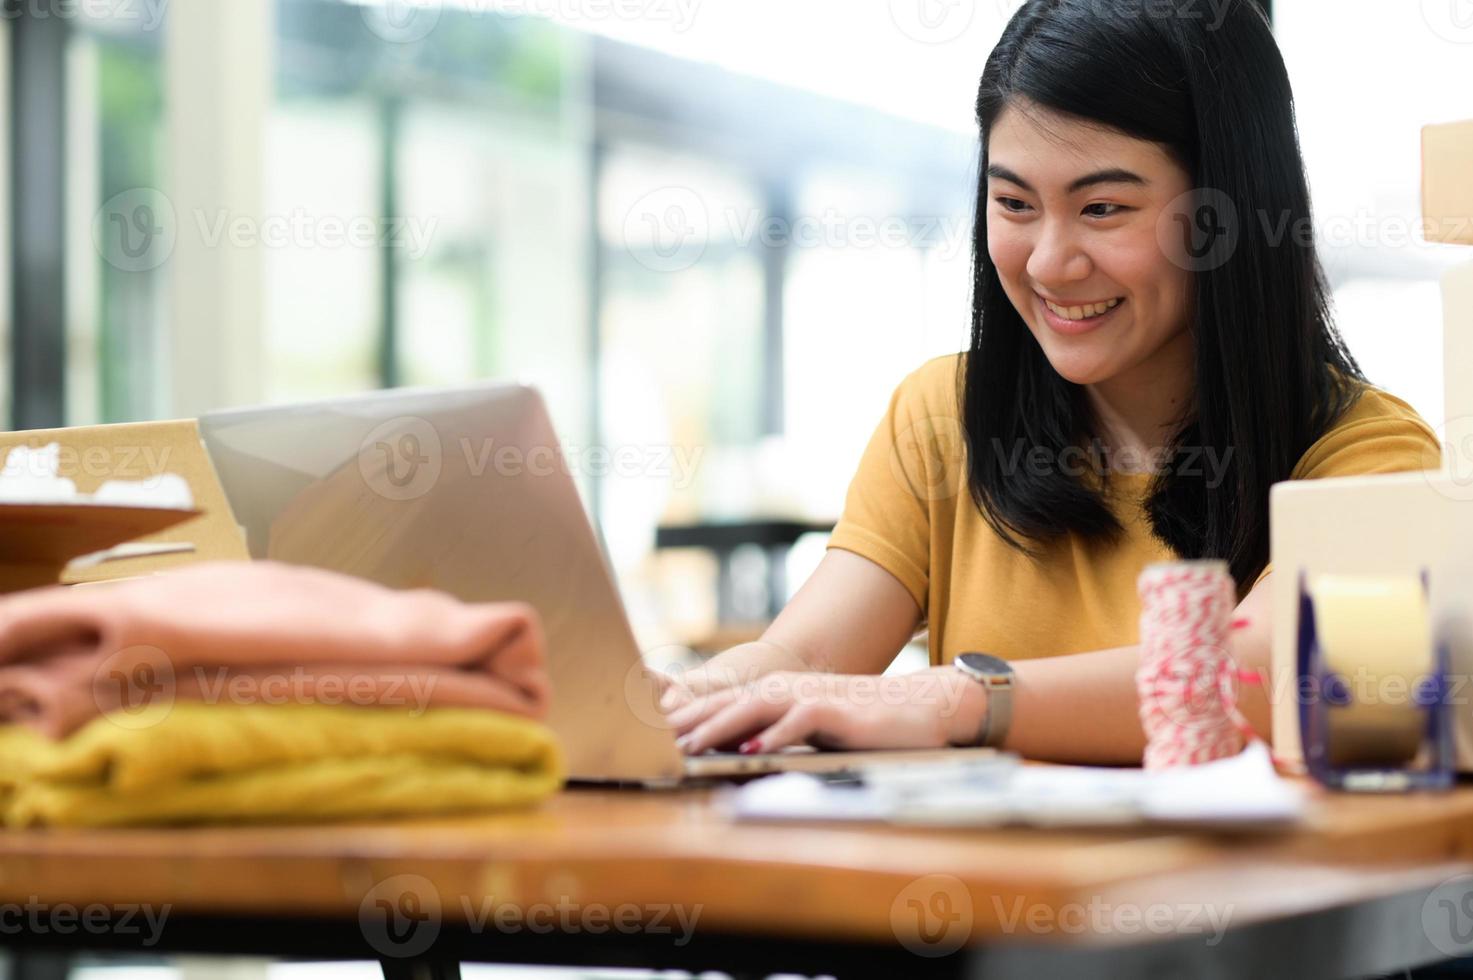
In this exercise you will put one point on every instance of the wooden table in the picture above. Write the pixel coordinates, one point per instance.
(662, 879)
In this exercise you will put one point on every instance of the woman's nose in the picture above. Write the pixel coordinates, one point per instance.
(1057, 256)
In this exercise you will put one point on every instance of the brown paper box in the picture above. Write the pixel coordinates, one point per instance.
(90, 455)
(1447, 182)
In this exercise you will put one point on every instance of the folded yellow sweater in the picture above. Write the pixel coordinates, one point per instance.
(237, 763)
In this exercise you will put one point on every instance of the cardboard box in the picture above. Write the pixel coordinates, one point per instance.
(1393, 524)
(1447, 182)
(40, 542)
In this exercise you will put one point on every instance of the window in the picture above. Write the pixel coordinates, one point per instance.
(117, 356)
(1361, 136)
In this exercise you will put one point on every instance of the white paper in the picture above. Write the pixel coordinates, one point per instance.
(1241, 791)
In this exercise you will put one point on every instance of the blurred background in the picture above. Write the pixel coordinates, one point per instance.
(716, 233)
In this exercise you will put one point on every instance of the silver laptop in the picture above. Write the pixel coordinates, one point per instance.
(464, 491)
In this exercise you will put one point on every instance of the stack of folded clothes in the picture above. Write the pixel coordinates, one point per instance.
(237, 691)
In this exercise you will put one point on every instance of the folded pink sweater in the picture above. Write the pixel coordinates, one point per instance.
(260, 632)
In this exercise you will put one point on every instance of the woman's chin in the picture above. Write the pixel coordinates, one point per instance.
(1081, 371)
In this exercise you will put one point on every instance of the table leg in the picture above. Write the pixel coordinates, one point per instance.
(420, 969)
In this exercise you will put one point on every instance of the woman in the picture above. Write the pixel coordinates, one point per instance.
(1151, 350)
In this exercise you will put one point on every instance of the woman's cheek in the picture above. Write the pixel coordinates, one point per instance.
(1008, 250)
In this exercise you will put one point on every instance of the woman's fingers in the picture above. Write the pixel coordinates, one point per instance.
(732, 724)
(691, 714)
(801, 724)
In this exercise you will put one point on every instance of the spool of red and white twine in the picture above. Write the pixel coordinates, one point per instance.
(1186, 680)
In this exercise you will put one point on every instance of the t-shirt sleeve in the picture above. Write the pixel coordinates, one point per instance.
(1386, 435)
(913, 460)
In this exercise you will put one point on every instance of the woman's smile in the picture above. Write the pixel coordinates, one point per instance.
(1078, 318)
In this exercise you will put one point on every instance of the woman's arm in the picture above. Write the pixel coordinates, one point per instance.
(1083, 707)
(850, 617)
(1079, 708)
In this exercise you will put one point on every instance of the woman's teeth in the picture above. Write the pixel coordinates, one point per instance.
(1082, 312)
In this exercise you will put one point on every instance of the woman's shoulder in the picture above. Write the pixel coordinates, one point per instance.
(1377, 433)
(934, 387)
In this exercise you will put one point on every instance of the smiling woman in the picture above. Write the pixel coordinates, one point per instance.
(1146, 361)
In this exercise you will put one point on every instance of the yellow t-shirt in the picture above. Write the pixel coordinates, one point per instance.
(910, 511)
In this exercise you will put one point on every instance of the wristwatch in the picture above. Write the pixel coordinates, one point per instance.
(996, 674)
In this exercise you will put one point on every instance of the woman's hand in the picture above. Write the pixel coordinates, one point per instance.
(737, 666)
(926, 709)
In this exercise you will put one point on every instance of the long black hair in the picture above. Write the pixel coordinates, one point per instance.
(1207, 82)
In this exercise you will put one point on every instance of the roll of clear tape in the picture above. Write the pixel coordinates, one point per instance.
(1375, 636)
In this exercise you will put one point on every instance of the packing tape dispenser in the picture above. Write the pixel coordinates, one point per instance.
(1373, 684)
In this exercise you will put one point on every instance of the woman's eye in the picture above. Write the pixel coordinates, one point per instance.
(1113, 209)
(1012, 204)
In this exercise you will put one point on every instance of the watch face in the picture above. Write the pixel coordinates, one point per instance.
(985, 663)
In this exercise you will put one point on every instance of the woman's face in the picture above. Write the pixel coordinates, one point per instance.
(1073, 214)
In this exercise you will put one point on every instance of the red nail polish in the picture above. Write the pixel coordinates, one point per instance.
(749, 747)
